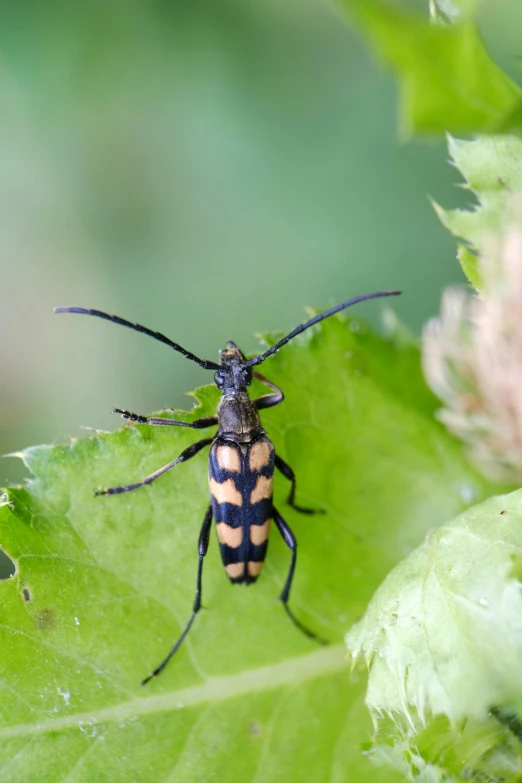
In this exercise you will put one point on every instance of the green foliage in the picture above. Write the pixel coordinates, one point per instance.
(96, 589)
(444, 638)
(492, 168)
(110, 582)
(447, 80)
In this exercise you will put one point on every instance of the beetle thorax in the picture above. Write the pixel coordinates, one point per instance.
(238, 417)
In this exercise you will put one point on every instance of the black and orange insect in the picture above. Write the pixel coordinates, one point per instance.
(241, 464)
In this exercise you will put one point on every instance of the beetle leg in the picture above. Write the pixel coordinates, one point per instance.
(189, 452)
(199, 424)
(268, 400)
(288, 473)
(291, 542)
(204, 537)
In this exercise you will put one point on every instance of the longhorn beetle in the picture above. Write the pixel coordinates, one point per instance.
(241, 464)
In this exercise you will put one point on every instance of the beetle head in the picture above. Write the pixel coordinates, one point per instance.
(232, 375)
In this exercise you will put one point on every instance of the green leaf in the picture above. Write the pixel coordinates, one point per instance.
(443, 637)
(110, 582)
(447, 80)
(470, 265)
(492, 168)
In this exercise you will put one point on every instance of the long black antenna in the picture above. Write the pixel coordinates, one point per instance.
(205, 363)
(298, 329)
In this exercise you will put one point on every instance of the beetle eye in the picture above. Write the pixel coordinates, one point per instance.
(219, 379)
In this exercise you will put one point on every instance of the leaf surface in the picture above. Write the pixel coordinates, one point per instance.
(104, 584)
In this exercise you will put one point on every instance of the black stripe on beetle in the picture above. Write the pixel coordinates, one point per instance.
(241, 464)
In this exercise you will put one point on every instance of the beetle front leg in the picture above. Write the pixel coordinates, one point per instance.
(188, 453)
(268, 400)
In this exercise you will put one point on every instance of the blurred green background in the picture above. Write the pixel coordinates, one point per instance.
(206, 168)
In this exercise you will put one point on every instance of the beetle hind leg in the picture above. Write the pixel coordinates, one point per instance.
(291, 542)
(204, 538)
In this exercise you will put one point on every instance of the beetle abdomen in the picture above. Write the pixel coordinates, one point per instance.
(241, 480)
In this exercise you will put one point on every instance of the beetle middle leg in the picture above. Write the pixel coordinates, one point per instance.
(288, 473)
(291, 542)
(204, 537)
(189, 452)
